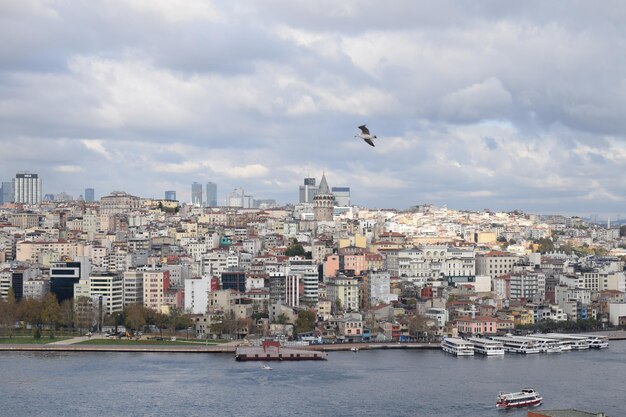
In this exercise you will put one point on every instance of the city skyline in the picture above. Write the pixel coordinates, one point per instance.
(495, 106)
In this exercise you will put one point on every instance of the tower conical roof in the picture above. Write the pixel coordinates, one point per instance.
(323, 188)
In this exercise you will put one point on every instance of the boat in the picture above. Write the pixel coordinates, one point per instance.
(266, 367)
(568, 342)
(515, 345)
(525, 398)
(457, 346)
(597, 342)
(354, 349)
(487, 346)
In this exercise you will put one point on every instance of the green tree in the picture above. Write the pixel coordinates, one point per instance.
(67, 314)
(30, 311)
(295, 249)
(50, 311)
(162, 321)
(281, 318)
(305, 322)
(545, 244)
(8, 312)
(135, 317)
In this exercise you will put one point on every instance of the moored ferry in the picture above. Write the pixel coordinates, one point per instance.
(486, 346)
(597, 341)
(515, 345)
(544, 344)
(525, 398)
(457, 346)
(568, 342)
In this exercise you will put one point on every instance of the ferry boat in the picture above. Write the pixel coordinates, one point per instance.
(596, 342)
(545, 345)
(525, 398)
(568, 342)
(514, 345)
(457, 346)
(487, 346)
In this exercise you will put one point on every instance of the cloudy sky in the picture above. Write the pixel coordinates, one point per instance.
(502, 105)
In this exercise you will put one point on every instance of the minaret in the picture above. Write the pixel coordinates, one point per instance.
(324, 202)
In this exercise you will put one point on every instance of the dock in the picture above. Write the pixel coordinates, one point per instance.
(273, 351)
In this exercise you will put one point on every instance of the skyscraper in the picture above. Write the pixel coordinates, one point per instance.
(170, 195)
(308, 190)
(196, 193)
(90, 195)
(342, 196)
(211, 194)
(27, 188)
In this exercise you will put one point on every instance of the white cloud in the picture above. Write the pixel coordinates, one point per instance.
(248, 171)
(97, 146)
(68, 169)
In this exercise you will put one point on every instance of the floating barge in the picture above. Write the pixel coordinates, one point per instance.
(273, 351)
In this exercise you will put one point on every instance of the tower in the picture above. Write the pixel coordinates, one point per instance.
(308, 190)
(323, 202)
(196, 193)
(27, 188)
(90, 195)
(211, 194)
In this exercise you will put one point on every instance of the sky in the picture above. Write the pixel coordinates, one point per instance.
(482, 104)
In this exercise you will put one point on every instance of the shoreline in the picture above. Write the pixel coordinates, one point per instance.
(345, 347)
(231, 348)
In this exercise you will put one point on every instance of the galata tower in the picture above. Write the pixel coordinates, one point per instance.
(323, 202)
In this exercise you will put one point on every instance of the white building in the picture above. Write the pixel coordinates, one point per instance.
(196, 294)
(133, 287)
(110, 287)
(495, 263)
(27, 188)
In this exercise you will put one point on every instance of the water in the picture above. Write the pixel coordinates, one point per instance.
(368, 383)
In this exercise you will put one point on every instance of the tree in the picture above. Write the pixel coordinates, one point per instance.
(281, 318)
(135, 317)
(30, 311)
(67, 314)
(50, 311)
(305, 321)
(8, 312)
(417, 324)
(545, 245)
(85, 314)
(295, 249)
(162, 322)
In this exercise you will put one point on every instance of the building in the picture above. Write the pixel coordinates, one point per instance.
(6, 193)
(342, 196)
(528, 285)
(27, 188)
(156, 284)
(343, 292)
(211, 194)
(234, 280)
(197, 294)
(238, 198)
(90, 195)
(196, 193)
(63, 276)
(133, 287)
(36, 288)
(323, 202)
(307, 191)
(110, 287)
(495, 263)
(170, 195)
(119, 202)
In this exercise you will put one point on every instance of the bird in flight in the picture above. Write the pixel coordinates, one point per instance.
(366, 136)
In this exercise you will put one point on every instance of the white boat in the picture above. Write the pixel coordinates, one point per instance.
(266, 367)
(354, 349)
(568, 342)
(457, 346)
(544, 344)
(486, 346)
(596, 341)
(525, 398)
(514, 345)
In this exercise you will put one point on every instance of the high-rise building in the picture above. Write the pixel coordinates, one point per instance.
(342, 196)
(238, 198)
(196, 193)
(308, 190)
(27, 188)
(63, 276)
(324, 202)
(211, 194)
(90, 195)
(170, 195)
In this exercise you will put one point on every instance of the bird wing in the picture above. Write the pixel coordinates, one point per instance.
(369, 141)
(364, 130)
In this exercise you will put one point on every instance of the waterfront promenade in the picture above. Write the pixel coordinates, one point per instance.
(73, 345)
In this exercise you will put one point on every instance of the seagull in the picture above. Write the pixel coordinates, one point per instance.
(365, 135)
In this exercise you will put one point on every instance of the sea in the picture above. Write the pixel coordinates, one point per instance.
(367, 383)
